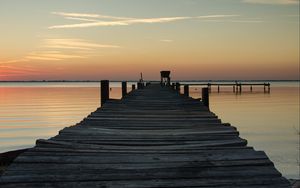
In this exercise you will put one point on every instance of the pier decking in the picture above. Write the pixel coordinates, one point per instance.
(153, 137)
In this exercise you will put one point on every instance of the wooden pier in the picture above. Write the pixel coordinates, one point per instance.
(152, 137)
(236, 87)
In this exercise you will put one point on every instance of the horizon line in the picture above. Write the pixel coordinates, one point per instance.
(178, 80)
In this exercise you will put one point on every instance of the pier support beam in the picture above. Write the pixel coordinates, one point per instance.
(205, 96)
(186, 90)
(124, 89)
(104, 91)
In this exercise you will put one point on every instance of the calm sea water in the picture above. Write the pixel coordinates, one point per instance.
(269, 122)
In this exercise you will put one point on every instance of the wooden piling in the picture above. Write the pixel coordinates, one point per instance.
(178, 87)
(104, 91)
(173, 86)
(124, 89)
(186, 90)
(251, 88)
(133, 87)
(205, 97)
(218, 88)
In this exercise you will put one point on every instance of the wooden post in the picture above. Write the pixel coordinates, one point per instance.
(251, 88)
(234, 88)
(178, 87)
(173, 86)
(133, 87)
(218, 88)
(104, 91)
(240, 88)
(186, 90)
(205, 96)
(140, 85)
(124, 89)
(264, 87)
(269, 87)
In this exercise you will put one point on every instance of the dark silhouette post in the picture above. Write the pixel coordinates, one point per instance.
(104, 91)
(173, 86)
(178, 87)
(218, 88)
(251, 88)
(186, 90)
(205, 96)
(234, 88)
(124, 89)
(133, 87)
(269, 87)
(140, 84)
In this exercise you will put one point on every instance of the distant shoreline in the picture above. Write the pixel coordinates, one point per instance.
(96, 81)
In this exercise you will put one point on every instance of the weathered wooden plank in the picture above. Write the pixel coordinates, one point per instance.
(258, 182)
(139, 174)
(141, 151)
(23, 167)
(51, 143)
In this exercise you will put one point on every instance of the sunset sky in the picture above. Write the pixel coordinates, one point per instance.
(118, 39)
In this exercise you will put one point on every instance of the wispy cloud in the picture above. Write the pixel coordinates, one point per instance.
(217, 16)
(51, 56)
(80, 15)
(74, 44)
(237, 21)
(13, 61)
(122, 21)
(279, 2)
(166, 40)
(12, 71)
(81, 19)
(57, 49)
